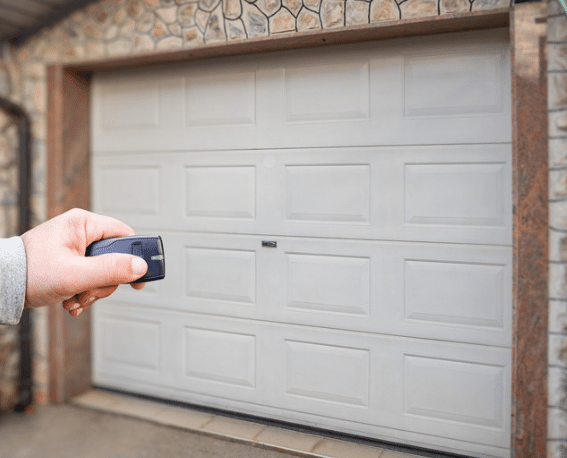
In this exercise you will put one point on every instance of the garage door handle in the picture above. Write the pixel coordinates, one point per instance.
(269, 244)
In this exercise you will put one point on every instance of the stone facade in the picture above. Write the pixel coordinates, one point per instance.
(115, 28)
(557, 345)
(9, 353)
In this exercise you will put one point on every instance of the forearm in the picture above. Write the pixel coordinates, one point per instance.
(13, 276)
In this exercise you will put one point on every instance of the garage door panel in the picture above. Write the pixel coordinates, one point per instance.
(328, 373)
(214, 357)
(455, 84)
(220, 192)
(225, 358)
(455, 194)
(338, 234)
(220, 100)
(139, 189)
(327, 283)
(131, 105)
(462, 293)
(458, 193)
(434, 388)
(133, 339)
(359, 376)
(451, 90)
(453, 292)
(221, 274)
(422, 289)
(220, 356)
(307, 90)
(337, 373)
(132, 342)
(329, 193)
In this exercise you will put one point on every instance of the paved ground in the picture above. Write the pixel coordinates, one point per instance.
(76, 431)
(73, 432)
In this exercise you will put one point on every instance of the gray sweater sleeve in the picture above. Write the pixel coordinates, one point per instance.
(13, 275)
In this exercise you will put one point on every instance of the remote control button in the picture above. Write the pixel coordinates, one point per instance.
(137, 249)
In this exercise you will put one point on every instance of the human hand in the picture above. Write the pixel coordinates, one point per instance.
(58, 270)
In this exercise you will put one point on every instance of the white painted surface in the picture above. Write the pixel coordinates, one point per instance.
(383, 172)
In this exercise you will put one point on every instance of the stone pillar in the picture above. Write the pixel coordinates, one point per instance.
(557, 116)
(9, 341)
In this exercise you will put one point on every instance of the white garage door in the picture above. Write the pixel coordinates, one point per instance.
(382, 174)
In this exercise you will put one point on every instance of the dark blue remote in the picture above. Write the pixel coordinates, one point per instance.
(150, 248)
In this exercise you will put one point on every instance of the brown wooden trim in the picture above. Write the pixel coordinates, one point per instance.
(392, 29)
(68, 186)
(530, 223)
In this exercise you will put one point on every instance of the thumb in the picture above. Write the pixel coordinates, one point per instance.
(108, 270)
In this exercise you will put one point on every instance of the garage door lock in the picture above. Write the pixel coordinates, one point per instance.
(269, 244)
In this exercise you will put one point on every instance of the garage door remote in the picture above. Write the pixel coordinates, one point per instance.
(150, 248)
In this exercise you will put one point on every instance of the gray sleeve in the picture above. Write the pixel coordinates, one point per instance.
(13, 275)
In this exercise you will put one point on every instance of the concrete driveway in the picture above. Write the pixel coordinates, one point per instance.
(109, 425)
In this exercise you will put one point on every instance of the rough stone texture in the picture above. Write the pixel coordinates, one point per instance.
(294, 6)
(34, 87)
(479, 5)
(269, 7)
(255, 21)
(558, 153)
(454, 6)
(332, 13)
(9, 367)
(557, 84)
(235, 29)
(557, 56)
(169, 43)
(160, 30)
(192, 37)
(357, 12)
(558, 123)
(215, 27)
(313, 5)
(308, 20)
(232, 9)
(118, 48)
(208, 5)
(186, 14)
(384, 10)
(557, 327)
(418, 8)
(282, 21)
(201, 19)
(145, 23)
(167, 15)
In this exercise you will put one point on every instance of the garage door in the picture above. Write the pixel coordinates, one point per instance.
(337, 230)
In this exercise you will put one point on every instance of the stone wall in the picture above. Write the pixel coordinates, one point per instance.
(112, 28)
(557, 105)
(9, 352)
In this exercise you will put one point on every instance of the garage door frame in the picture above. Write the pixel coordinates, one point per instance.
(69, 186)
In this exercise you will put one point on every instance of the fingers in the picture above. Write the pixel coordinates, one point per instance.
(80, 302)
(96, 227)
(104, 227)
(90, 273)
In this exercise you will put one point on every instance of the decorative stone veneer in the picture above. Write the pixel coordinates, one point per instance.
(117, 28)
(9, 342)
(557, 345)
(121, 27)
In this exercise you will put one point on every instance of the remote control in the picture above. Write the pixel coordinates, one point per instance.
(150, 248)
